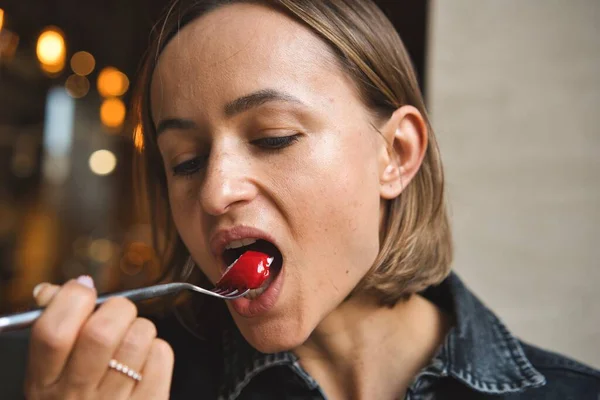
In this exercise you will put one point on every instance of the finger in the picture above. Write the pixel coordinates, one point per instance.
(157, 373)
(97, 342)
(55, 332)
(132, 352)
(44, 292)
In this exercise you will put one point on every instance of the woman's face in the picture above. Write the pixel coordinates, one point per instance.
(263, 136)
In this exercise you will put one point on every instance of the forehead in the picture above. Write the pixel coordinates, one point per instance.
(238, 49)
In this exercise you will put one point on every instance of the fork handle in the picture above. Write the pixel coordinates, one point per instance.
(25, 319)
(145, 293)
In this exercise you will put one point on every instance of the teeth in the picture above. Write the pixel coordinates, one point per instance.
(248, 241)
(254, 293)
(240, 243)
(235, 244)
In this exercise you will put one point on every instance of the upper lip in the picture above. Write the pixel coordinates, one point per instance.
(223, 237)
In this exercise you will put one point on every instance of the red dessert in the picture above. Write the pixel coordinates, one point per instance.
(249, 271)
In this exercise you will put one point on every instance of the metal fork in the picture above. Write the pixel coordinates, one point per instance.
(25, 319)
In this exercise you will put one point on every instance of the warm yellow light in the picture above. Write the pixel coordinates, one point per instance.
(51, 50)
(112, 112)
(112, 82)
(102, 162)
(101, 250)
(53, 69)
(77, 86)
(138, 138)
(83, 63)
(1, 18)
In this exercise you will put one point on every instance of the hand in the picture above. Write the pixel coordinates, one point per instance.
(71, 347)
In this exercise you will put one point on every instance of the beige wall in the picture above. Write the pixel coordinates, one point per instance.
(514, 91)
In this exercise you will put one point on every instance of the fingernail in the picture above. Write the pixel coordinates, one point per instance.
(38, 288)
(86, 280)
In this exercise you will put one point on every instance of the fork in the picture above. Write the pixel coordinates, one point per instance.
(25, 319)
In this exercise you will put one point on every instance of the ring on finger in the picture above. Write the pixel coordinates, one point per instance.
(125, 370)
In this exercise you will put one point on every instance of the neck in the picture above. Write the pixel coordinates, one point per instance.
(365, 351)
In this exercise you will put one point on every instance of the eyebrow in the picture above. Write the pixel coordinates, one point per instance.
(235, 107)
(256, 99)
(174, 123)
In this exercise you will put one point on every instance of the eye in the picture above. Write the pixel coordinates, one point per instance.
(277, 142)
(189, 167)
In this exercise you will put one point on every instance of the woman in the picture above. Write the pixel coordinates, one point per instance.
(296, 127)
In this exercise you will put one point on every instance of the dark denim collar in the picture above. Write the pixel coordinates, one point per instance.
(479, 351)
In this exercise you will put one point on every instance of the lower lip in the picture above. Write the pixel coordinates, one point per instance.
(263, 303)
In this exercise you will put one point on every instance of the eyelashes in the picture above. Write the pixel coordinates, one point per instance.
(275, 142)
(190, 167)
(269, 144)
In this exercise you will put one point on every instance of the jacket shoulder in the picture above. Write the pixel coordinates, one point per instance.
(565, 377)
(548, 360)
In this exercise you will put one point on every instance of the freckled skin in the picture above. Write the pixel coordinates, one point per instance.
(319, 197)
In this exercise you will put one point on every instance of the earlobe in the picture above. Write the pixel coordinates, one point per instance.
(406, 142)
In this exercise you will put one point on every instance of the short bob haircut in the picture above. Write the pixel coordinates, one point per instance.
(415, 238)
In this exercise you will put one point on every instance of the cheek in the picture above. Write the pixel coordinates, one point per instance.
(332, 207)
(182, 200)
(188, 220)
(338, 214)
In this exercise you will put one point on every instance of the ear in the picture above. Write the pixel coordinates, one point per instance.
(405, 135)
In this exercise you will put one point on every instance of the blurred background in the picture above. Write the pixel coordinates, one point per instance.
(512, 86)
(67, 69)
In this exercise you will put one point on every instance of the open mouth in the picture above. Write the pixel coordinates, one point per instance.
(235, 249)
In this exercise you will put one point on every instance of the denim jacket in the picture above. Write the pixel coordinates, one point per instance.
(479, 359)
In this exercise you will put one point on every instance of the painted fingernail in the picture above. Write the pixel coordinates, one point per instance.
(86, 280)
(38, 288)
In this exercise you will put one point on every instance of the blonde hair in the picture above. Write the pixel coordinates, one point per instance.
(416, 243)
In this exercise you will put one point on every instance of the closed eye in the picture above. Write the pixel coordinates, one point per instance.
(193, 165)
(276, 142)
(190, 167)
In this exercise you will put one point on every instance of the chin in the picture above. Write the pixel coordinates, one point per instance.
(274, 337)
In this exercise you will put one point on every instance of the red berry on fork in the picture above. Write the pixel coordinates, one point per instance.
(249, 271)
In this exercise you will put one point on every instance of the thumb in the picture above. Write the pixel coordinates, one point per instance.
(44, 292)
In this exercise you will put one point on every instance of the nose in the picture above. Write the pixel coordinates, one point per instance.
(227, 182)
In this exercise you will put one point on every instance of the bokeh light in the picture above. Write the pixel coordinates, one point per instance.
(101, 250)
(137, 256)
(102, 162)
(83, 63)
(112, 82)
(51, 50)
(112, 112)
(77, 86)
(1, 18)
(138, 138)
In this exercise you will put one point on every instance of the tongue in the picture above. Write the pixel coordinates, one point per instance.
(249, 271)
